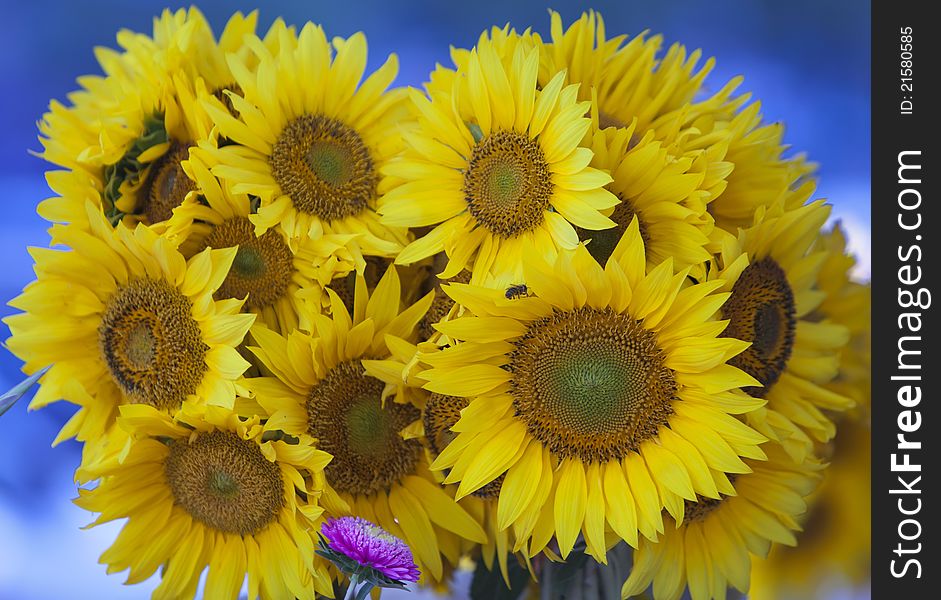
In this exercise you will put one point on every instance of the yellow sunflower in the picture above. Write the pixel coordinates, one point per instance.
(792, 353)
(710, 548)
(631, 83)
(277, 278)
(212, 490)
(122, 318)
(320, 388)
(310, 139)
(848, 303)
(655, 187)
(601, 397)
(833, 548)
(497, 167)
(131, 129)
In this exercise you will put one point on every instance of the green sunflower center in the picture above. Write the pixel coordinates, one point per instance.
(591, 383)
(346, 415)
(248, 263)
(151, 344)
(761, 310)
(263, 266)
(325, 167)
(167, 185)
(600, 244)
(330, 162)
(141, 346)
(225, 482)
(222, 484)
(508, 184)
(367, 427)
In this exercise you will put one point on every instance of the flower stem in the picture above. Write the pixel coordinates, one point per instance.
(351, 590)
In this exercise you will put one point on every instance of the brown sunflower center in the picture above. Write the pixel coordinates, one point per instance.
(166, 185)
(761, 310)
(602, 243)
(440, 414)
(507, 184)
(344, 412)
(591, 383)
(325, 167)
(151, 343)
(225, 482)
(263, 265)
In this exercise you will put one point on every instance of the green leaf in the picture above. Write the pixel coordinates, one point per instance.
(129, 168)
(8, 399)
(489, 585)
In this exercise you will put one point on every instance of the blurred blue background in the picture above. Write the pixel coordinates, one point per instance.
(807, 60)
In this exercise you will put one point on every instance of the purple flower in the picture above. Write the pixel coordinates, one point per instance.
(371, 546)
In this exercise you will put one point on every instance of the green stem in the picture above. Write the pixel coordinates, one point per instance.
(351, 590)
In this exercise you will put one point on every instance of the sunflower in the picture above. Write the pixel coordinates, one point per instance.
(210, 489)
(320, 388)
(600, 398)
(773, 295)
(630, 82)
(848, 303)
(123, 318)
(710, 547)
(131, 129)
(276, 279)
(833, 548)
(310, 140)
(497, 166)
(654, 186)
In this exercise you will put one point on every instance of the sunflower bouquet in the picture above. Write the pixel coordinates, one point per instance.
(558, 310)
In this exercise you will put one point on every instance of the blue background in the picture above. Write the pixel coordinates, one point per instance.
(807, 60)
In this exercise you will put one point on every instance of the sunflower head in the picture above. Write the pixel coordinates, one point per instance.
(338, 388)
(495, 164)
(309, 138)
(606, 381)
(124, 318)
(242, 500)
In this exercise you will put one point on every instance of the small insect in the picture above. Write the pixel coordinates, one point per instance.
(517, 290)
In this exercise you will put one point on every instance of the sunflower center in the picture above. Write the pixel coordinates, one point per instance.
(325, 167)
(225, 482)
(591, 384)
(346, 415)
(507, 184)
(602, 243)
(263, 265)
(152, 345)
(141, 345)
(167, 184)
(761, 310)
